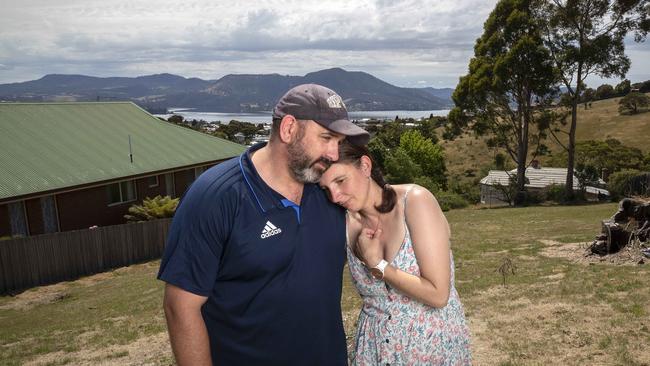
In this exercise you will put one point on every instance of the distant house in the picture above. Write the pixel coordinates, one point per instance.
(537, 179)
(67, 166)
(240, 137)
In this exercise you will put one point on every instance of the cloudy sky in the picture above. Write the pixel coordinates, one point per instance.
(404, 42)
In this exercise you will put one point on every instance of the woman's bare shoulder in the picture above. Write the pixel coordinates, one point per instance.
(422, 208)
(413, 190)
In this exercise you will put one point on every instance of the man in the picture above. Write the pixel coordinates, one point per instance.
(254, 259)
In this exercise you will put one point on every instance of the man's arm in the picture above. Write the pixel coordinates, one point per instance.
(187, 331)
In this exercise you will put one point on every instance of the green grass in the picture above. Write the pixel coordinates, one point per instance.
(554, 310)
(590, 307)
(117, 309)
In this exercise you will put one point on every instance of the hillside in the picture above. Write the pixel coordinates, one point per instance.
(599, 122)
(231, 93)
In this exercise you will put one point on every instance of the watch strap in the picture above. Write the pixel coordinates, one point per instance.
(379, 270)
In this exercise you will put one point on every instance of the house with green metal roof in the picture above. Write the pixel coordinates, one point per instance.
(67, 166)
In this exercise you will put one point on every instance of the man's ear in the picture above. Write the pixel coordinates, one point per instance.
(288, 128)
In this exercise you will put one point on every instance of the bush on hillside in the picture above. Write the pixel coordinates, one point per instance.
(556, 193)
(633, 103)
(426, 154)
(470, 191)
(610, 154)
(400, 168)
(450, 200)
(605, 91)
(152, 208)
(643, 87)
(623, 88)
(627, 183)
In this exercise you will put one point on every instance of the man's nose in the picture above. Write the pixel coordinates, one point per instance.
(333, 151)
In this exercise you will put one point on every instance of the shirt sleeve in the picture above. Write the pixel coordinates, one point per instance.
(196, 238)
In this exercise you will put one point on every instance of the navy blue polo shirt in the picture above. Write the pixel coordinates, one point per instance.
(272, 270)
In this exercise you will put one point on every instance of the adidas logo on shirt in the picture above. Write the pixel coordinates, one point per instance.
(270, 230)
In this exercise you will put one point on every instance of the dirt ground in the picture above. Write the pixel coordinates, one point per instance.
(580, 253)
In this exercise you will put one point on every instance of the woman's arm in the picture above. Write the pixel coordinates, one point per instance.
(430, 237)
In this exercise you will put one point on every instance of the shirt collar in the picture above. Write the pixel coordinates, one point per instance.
(265, 197)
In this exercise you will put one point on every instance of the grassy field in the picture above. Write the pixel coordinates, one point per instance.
(558, 308)
(599, 122)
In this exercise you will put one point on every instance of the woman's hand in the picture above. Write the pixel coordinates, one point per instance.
(368, 248)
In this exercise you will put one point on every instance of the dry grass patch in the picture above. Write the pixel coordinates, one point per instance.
(150, 350)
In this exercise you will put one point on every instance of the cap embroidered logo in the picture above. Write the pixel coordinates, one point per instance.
(335, 101)
(270, 230)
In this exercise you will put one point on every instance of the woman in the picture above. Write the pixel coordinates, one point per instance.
(401, 263)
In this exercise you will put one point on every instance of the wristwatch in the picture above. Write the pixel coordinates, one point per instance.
(378, 270)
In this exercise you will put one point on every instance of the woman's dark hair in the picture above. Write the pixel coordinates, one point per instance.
(275, 128)
(351, 154)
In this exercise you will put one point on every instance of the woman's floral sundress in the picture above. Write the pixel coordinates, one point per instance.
(393, 329)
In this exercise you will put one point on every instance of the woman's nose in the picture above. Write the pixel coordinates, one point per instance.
(336, 196)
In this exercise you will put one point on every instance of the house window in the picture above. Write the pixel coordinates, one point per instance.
(121, 192)
(17, 219)
(50, 219)
(152, 181)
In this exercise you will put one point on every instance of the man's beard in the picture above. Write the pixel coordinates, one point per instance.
(301, 166)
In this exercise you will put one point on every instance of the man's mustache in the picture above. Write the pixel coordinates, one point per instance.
(325, 161)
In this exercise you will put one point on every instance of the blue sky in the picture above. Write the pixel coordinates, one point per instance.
(408, 43)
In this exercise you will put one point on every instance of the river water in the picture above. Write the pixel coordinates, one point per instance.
(265, 117)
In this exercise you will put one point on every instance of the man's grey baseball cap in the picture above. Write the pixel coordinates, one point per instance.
(322, 105)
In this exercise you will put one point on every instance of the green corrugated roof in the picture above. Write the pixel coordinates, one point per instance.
(48, 146)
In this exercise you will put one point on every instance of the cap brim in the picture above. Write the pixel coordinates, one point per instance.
(355, 134)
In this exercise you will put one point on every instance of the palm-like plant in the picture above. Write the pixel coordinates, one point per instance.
(158, 207)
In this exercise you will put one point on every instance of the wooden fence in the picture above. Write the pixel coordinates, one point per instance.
(43, 259)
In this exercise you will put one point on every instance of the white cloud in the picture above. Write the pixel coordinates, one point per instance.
(402, 42)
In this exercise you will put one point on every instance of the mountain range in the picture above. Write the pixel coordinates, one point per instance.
(234, 93)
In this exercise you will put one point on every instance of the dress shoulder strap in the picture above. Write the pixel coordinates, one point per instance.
(406, 195)
(406, 227)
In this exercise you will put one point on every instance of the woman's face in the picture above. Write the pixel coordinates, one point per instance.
(346, 185)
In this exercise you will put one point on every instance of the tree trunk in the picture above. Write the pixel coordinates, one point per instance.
(571, 153)
(522, 155)
(572, 138)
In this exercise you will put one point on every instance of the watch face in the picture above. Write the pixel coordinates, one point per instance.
(376, 273)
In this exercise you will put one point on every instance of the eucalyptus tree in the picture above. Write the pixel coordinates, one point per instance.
(510, 84)
(586, 37)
